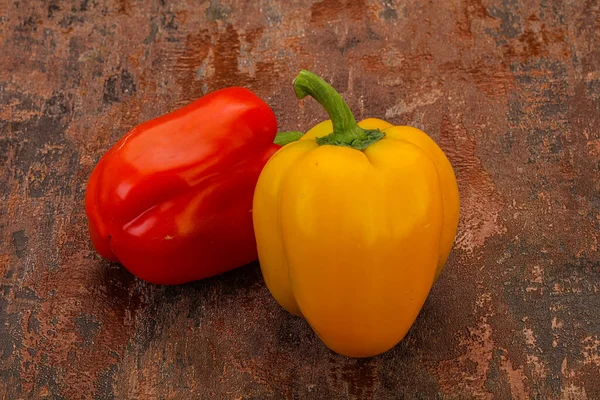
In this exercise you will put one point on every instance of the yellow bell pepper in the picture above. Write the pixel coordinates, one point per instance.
(354, 223)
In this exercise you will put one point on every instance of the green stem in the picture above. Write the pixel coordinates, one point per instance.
(344, 125)
(283, 138)
(346, 131)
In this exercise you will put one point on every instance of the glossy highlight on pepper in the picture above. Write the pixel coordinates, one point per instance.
(354, 222)
(171, 200)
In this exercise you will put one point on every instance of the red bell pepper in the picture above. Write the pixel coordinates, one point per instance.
(172, 199)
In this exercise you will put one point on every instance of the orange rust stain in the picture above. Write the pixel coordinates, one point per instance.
(182, 16)
(227, 51)
(538, 41)
(124, 7)
(209, 63)
(372, 63)
(471, 10)
(4, 263)
(493, 80)
(594, 147)
(252, 36)
(134, 58)
(325, 11)
(196, 50)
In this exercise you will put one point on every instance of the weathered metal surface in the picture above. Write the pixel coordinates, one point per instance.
(510, 89)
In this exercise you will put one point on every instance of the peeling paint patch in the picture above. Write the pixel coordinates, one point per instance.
(480, 201)
(401, 107)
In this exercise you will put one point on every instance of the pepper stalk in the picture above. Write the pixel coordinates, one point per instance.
(346, 131)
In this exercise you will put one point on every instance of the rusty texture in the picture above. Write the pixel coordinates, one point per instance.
(510, 89)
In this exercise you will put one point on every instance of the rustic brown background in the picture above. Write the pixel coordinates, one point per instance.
(510, 89)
